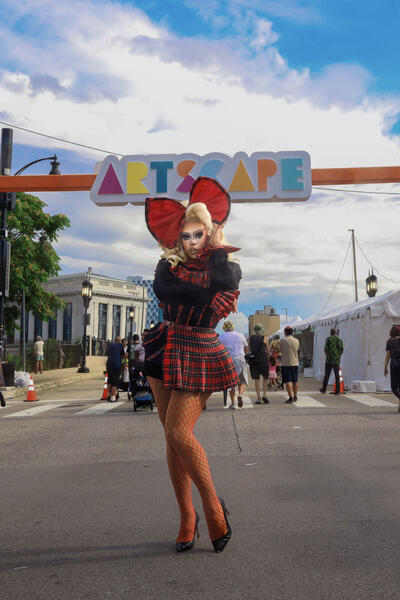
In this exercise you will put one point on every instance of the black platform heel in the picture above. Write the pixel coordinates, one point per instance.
(220, 543)
(185, 546)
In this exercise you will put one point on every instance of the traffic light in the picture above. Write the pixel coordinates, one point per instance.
(8, 200)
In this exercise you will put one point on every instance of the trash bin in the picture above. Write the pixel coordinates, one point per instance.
(9, 373)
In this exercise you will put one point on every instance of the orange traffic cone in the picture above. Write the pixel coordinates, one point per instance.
(105, 388)
(31, 395)
(342, 390)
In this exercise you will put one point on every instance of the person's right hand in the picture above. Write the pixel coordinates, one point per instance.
(386, 371)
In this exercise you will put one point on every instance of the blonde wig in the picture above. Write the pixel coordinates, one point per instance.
(195, 213)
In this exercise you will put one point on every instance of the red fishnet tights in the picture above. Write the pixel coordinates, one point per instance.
(187, 461)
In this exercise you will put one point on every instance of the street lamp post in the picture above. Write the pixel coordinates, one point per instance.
(371, 284)
(87, 289)
(131, 317)
(285, 309)
(55, 163)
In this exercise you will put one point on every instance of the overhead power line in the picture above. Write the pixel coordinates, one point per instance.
(52, 137)
(64, 141)
(329, 189)
(338, 277)
(372, 266)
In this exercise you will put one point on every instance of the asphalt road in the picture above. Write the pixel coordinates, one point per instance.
(87, 510)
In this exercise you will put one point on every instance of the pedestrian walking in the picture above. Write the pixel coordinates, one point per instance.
(259, 362)
(136, 352)
(236, 344)
(115, 354)
(38, 353)
(272, 376)
(197, 285)
(393, 354)
(333, 352)
(290, 363)
(276, 353)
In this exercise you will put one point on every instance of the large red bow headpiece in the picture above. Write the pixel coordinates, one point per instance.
(165, 217)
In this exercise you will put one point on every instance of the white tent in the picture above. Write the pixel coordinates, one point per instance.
(364, 328)
(293, 321)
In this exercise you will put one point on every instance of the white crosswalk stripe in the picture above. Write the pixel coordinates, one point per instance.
(99, 409)
(247, 403)
(34, 410)
(369, 400)
(308, 402)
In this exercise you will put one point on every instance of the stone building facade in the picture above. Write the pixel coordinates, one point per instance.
(108, 312)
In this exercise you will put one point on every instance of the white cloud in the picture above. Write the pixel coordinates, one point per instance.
(264, 36)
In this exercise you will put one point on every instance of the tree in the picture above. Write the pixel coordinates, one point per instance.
(33, 259)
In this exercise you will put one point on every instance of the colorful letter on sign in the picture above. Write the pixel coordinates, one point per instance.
(260, 177)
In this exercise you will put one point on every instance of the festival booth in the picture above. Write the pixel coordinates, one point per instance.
(364, 328)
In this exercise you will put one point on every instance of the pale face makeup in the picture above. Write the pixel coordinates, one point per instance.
(193, 238)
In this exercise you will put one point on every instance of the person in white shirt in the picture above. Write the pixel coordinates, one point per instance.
(236, 344)
(137, 352)
(38, 353)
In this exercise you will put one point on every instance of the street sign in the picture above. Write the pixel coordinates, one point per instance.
(261, 177)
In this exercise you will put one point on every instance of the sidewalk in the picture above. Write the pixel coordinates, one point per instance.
(55, 378)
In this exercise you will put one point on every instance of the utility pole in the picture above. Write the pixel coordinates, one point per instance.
(354, 265)
(7, 201)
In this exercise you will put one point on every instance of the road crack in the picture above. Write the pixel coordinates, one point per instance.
(235, 431)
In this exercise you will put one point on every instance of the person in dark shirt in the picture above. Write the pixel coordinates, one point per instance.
(115, 354)
(197, 285)
(333, 352)
(393, 354)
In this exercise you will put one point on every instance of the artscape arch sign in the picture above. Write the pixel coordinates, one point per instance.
(261, 177)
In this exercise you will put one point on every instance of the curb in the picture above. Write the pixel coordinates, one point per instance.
(40, 387)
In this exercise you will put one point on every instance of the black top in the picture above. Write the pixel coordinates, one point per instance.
(197, 304)
(258, 348)
(114, 355)
(393, 346)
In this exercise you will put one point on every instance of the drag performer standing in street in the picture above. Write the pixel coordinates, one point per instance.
(197, 285)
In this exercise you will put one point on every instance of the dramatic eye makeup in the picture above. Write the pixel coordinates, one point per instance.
(197, 235)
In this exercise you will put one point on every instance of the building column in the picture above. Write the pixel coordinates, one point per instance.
(123, 320)
(109, 321)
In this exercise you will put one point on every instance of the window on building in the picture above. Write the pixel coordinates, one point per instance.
(53, 327)
(102, 322)
(38, 329)
(67, 323)
(116, 321)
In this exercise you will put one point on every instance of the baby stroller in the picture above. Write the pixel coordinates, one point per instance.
(140, 390)
(123, 383)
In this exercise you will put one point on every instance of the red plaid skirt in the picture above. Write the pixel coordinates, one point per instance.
(195, 360)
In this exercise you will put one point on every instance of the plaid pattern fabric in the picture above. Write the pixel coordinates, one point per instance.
(194, 272)
(222, 303)
(195, 360)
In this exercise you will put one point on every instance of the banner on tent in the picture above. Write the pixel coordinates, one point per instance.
(261, 177)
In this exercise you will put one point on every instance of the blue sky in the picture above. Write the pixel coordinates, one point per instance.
(209, 75)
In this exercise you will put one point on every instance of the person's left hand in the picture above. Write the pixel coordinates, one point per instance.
(386, 371)
(235, 306)
(217, 236)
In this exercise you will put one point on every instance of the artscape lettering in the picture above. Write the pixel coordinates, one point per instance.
(261, 177)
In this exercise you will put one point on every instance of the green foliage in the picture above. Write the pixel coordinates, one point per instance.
(33, 258)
